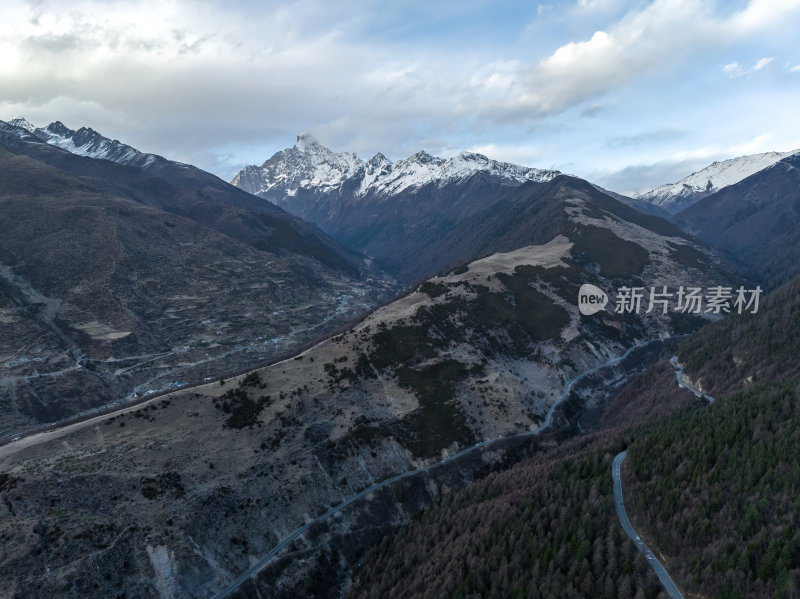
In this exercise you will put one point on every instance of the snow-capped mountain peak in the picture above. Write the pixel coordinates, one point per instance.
(674, 197)
(15, 128)
(307, 164)
(23, 123)
(306, 142)
(422, 157)
(315, 152)
(378, 161)
(58, 128)
(471, 157)
(88, 142)
(312, 167)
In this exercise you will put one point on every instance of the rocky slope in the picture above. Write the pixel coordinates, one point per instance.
(115, 283)
(480, 353)
(697, 483)
(531, 213)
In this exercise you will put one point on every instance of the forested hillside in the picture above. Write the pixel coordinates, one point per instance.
(713, 489)
(718, 491)
(747, 349)
(718, 487)
(546, 528)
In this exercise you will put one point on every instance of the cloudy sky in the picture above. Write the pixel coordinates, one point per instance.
(626, 94)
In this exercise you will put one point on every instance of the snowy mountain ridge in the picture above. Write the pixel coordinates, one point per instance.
(87, 142)
(674, 197)
(310, 165)
(23, 123)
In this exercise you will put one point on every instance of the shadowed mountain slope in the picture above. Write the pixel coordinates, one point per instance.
(754, 222)
(116, 283)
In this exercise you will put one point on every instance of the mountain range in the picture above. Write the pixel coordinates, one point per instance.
(392, 211)
(481, 352)
(117, 282)
(124, 275)
(311, 166)
(418, 216)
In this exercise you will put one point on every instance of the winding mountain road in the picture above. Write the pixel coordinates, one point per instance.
(658, 567)
(260, 564)
(48, 435)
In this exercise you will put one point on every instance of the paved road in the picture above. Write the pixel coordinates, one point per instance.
(679, 375)
(669, 584)
(665, 579)
(260, 564)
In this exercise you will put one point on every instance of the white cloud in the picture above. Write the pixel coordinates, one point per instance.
(755, 145)
(704, 154)
(526, 154)
(760, 15)
(761, 63)
(734, 69)
(592, 110)
(597, 5)
(638, 178)
(645, 41)
(214, 83)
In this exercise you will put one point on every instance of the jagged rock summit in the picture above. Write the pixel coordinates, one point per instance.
(392, 211)
(309, 165)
